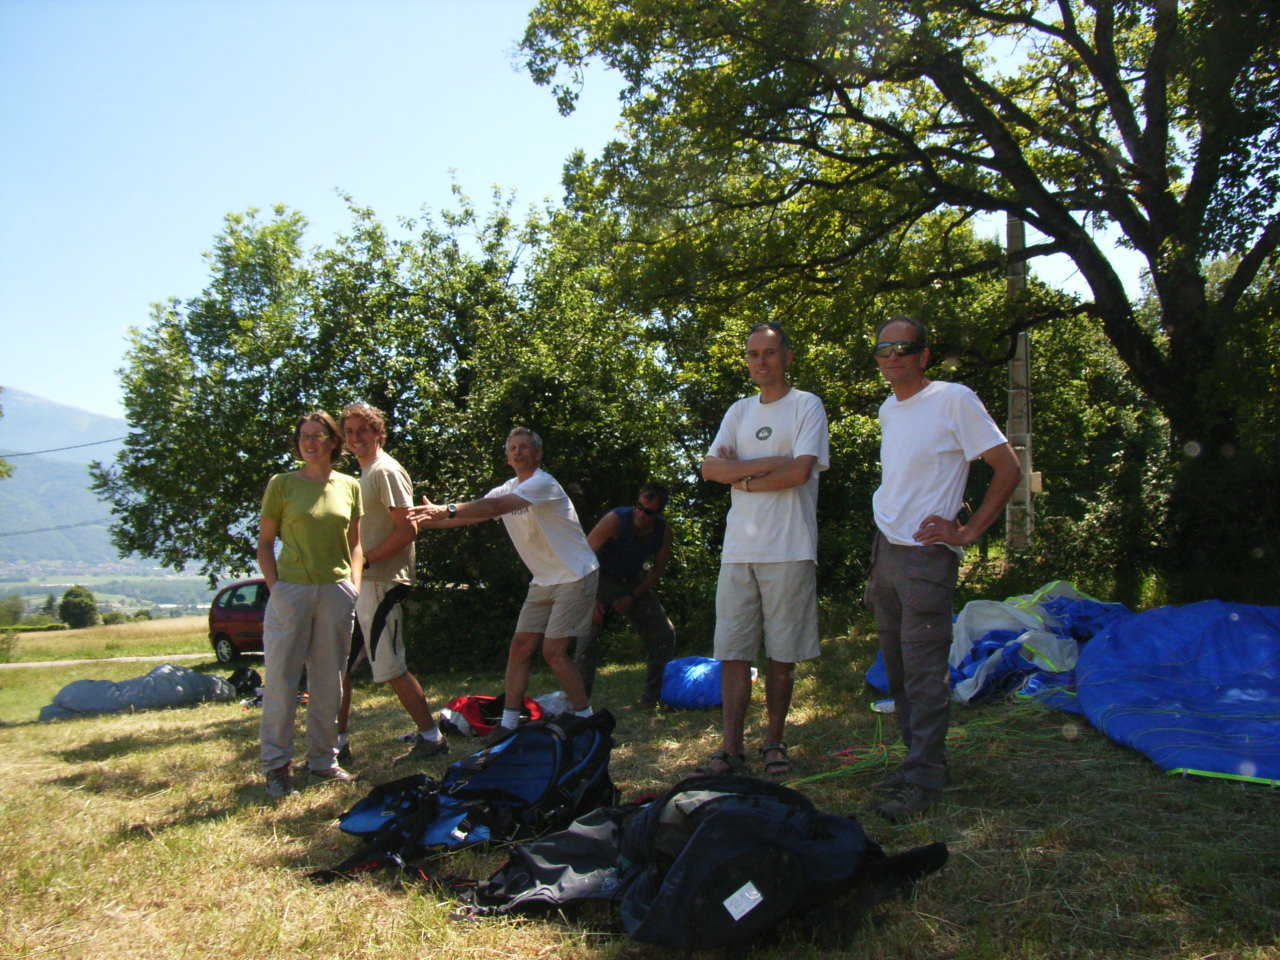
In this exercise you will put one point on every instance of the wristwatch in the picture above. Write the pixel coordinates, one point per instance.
(452, 510)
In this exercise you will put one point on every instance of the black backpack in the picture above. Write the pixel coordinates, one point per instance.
(537, 779)
(715, 862)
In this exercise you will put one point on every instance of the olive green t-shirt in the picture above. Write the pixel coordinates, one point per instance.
(314, 518)
(383, 486)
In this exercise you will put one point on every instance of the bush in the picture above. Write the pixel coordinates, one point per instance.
(113, 617)
(142, 615)
(35, 627)
(11, 609)
(78, 608)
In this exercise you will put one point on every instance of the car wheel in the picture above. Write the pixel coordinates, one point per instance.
(224, 649)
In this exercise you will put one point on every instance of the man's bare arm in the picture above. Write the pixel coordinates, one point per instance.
(606, 529)
(1005, 474)
(435, 516)
(729, 470)
(792, 473)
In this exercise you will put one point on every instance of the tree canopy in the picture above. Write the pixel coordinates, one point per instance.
(810, 140)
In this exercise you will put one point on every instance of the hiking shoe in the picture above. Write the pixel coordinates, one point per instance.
(898, 779)
(906, 802)
(424, 749)
(279, 785)
(890, 784)
(334, 774)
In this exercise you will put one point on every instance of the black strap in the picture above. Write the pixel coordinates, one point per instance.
(393, 596)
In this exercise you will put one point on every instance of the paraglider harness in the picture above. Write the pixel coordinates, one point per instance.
(537, 779)
(715, 862)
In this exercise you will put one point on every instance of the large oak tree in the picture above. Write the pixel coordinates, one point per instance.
(817, 136)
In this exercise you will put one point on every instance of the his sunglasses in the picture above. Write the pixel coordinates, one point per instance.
(898, 348)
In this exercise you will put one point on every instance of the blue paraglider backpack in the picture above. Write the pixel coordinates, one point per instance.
(538, 779)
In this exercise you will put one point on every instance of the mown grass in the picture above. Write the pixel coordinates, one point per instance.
(148, 836)
(138, 638)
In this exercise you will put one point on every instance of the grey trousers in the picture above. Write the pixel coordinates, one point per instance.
(910, 592)
(306, 625)
(650, 621)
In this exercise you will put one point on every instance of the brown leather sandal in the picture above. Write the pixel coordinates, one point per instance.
(779, 766)
(722, 762)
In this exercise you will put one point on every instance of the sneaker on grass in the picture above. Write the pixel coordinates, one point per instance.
(344, 755)
(279, 785)
(906, 802)
(424, 749)
(334, 774)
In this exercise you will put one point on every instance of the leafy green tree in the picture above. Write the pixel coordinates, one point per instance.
(458, 328)
(113, 617)
(78, 608)
(50, 607)
(815, 138)
(11, 609)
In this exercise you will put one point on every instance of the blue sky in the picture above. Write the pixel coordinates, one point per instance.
(132, 126)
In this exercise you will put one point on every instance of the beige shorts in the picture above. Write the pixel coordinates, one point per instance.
(773, 602)
(386, 655)
(560, 610)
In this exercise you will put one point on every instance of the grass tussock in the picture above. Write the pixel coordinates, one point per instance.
(148, 836)
(137, 638)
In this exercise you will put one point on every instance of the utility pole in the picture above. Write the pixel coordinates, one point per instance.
(1019, 517)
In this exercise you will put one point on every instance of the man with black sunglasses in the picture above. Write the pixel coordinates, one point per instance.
(930, 431)
(625, 539)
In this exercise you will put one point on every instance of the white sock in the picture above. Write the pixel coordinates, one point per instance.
(431, 736)
(584, 712)
(510, 718)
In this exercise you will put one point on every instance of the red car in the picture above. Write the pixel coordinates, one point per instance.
(235, 619)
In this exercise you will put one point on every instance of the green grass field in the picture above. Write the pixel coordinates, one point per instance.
(138, 638)
(148, 836)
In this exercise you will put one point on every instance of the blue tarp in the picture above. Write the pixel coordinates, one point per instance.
(1195, 688)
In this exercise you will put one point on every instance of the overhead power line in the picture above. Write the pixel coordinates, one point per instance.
(74, 446)
(65, 526)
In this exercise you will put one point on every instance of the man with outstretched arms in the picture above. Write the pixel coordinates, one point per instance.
(544, 529)
(770, 449)
(387, 536)
(623, 539)
(930, 431)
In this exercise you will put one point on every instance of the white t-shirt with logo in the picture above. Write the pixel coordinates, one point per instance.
(547, 534)
(926, 443)
(774, 526)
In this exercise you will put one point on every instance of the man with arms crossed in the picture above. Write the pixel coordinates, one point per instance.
(770, 449)
(623, 539)
(544, 529)
(387, 535)
(930, 431)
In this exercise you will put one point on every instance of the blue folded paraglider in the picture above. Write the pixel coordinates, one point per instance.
(1195, 688)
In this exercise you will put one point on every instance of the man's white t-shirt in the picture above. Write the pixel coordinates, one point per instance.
(547, 534)
(774, 526)
(926, 444)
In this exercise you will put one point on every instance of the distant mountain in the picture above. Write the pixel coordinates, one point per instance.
(34, 423)
(49, 516)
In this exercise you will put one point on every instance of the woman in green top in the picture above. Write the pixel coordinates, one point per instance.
(314, 582)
